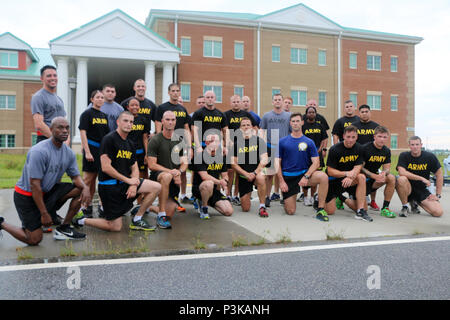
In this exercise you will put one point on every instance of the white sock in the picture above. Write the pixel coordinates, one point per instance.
(262, 205)
(82, 221)
(161, 214)
(182, 195)
(137, 218)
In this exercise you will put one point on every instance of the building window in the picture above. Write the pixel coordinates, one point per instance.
(394, 64)
(185, 46)
(299, 56)
(212, 48)
(216, 89)
(238, 50)
(7, 102)
(275, 91)
(276, 53)
(394, 141)
(322, 58)
(299, 97)
(394, 103)
(322, 99)
(373, 62)
(374, 101)
(7, 141)
(353, 60)
(185, 89)
(239, 90)
(354, 98)
(9, 59)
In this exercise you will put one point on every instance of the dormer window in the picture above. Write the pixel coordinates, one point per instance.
(9, 59)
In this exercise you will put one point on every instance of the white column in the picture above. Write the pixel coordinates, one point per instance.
(62, 89)
(82, 95)
(167, 80)
(150, 80)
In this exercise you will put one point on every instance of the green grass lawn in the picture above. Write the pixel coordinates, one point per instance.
(11, 168)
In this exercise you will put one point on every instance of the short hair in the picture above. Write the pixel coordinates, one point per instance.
(289, 98)
(93, 93)
(310, 107)
(364, 106)
(381, 129)
(414, 138)
(245, 118)
(173, 85)
(47, 67)
(138, 80)
(277, 94)
(125, 113)
(350, 128)
(296, 114)
(348, 101)
(108, 85)
(56, 120)
(200, 97)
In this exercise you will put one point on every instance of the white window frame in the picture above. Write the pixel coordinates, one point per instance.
(396, 98)
(215, 87)
(355, 54)
(326, 99)
(299, 49)
(371, 95)
(7, 97)
(7, 135)
(239, 87)
(239, 43)
(396, 64)
(9, 53)
(190, 46)
(296, 95)
(355, 101)
(396, 140)
(185, 85)
(324, 51)
(373, 55)
(279, 53)
(213, 40)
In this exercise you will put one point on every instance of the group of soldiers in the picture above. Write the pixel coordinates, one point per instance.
(283, 150)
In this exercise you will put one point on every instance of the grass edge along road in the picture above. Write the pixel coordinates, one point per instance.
(11, 166)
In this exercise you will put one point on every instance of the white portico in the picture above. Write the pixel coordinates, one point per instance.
(115, 49)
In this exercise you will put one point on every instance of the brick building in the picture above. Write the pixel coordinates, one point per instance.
(295, 51)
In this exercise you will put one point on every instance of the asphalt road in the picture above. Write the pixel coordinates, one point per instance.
(397, 271)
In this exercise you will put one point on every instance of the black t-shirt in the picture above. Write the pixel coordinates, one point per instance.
(234, 118)
(147, 109)
(345, 159)
(210, 119)
(95, 123)
(249, 153)
(121, 152)
(374, 158)
(214, 166)
(319, 119)
(341, 124)
(180, 114)
(140, 127)
(422, 166)
(315, 131)
(366, 130)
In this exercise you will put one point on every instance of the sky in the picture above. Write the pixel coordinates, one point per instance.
(38, 21)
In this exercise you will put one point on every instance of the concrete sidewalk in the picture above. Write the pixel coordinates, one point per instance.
(189, 233)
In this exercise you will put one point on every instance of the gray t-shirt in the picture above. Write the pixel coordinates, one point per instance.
(47, 104)
(274, 121)
(48, 163)
(112, 110)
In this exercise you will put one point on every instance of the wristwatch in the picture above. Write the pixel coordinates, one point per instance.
(438, 195)
(307, 177)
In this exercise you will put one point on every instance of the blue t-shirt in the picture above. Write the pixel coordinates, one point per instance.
(296, 154)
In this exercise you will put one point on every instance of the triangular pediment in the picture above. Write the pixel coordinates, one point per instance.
(113, 31)
(300, 15)
(8, 41)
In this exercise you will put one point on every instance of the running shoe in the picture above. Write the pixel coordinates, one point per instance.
(135, 210)
(275, 197)
(301, 198)
(67, 232)
(373, 205)
(308, 201)
(414, 207)
(404, 212)
(141, 225)
(322, 215)
(236, 201)
(163, 222)
(316, 202)
(76, 219)
(188, 200)
(267, 202)
(204, 215)
(195, 204)
(87, 212)
(46, 229)
(362, 215)
(385, 212)
(181, 209)
(339, 204)
(263, 213)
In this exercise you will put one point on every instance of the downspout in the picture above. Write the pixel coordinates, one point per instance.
(175, 76)
(339, 75)
(258, 68)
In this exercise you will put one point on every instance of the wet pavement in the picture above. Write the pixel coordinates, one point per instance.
(190, 234)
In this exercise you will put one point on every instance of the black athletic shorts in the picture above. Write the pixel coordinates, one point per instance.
(245, 186)
(293, 187)
(140, 161)
(94, 166)
(215, 197)
(369, 186)
(419, 191)
(335, 189)
(29, 213)
(174, 190)
(114, 199)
